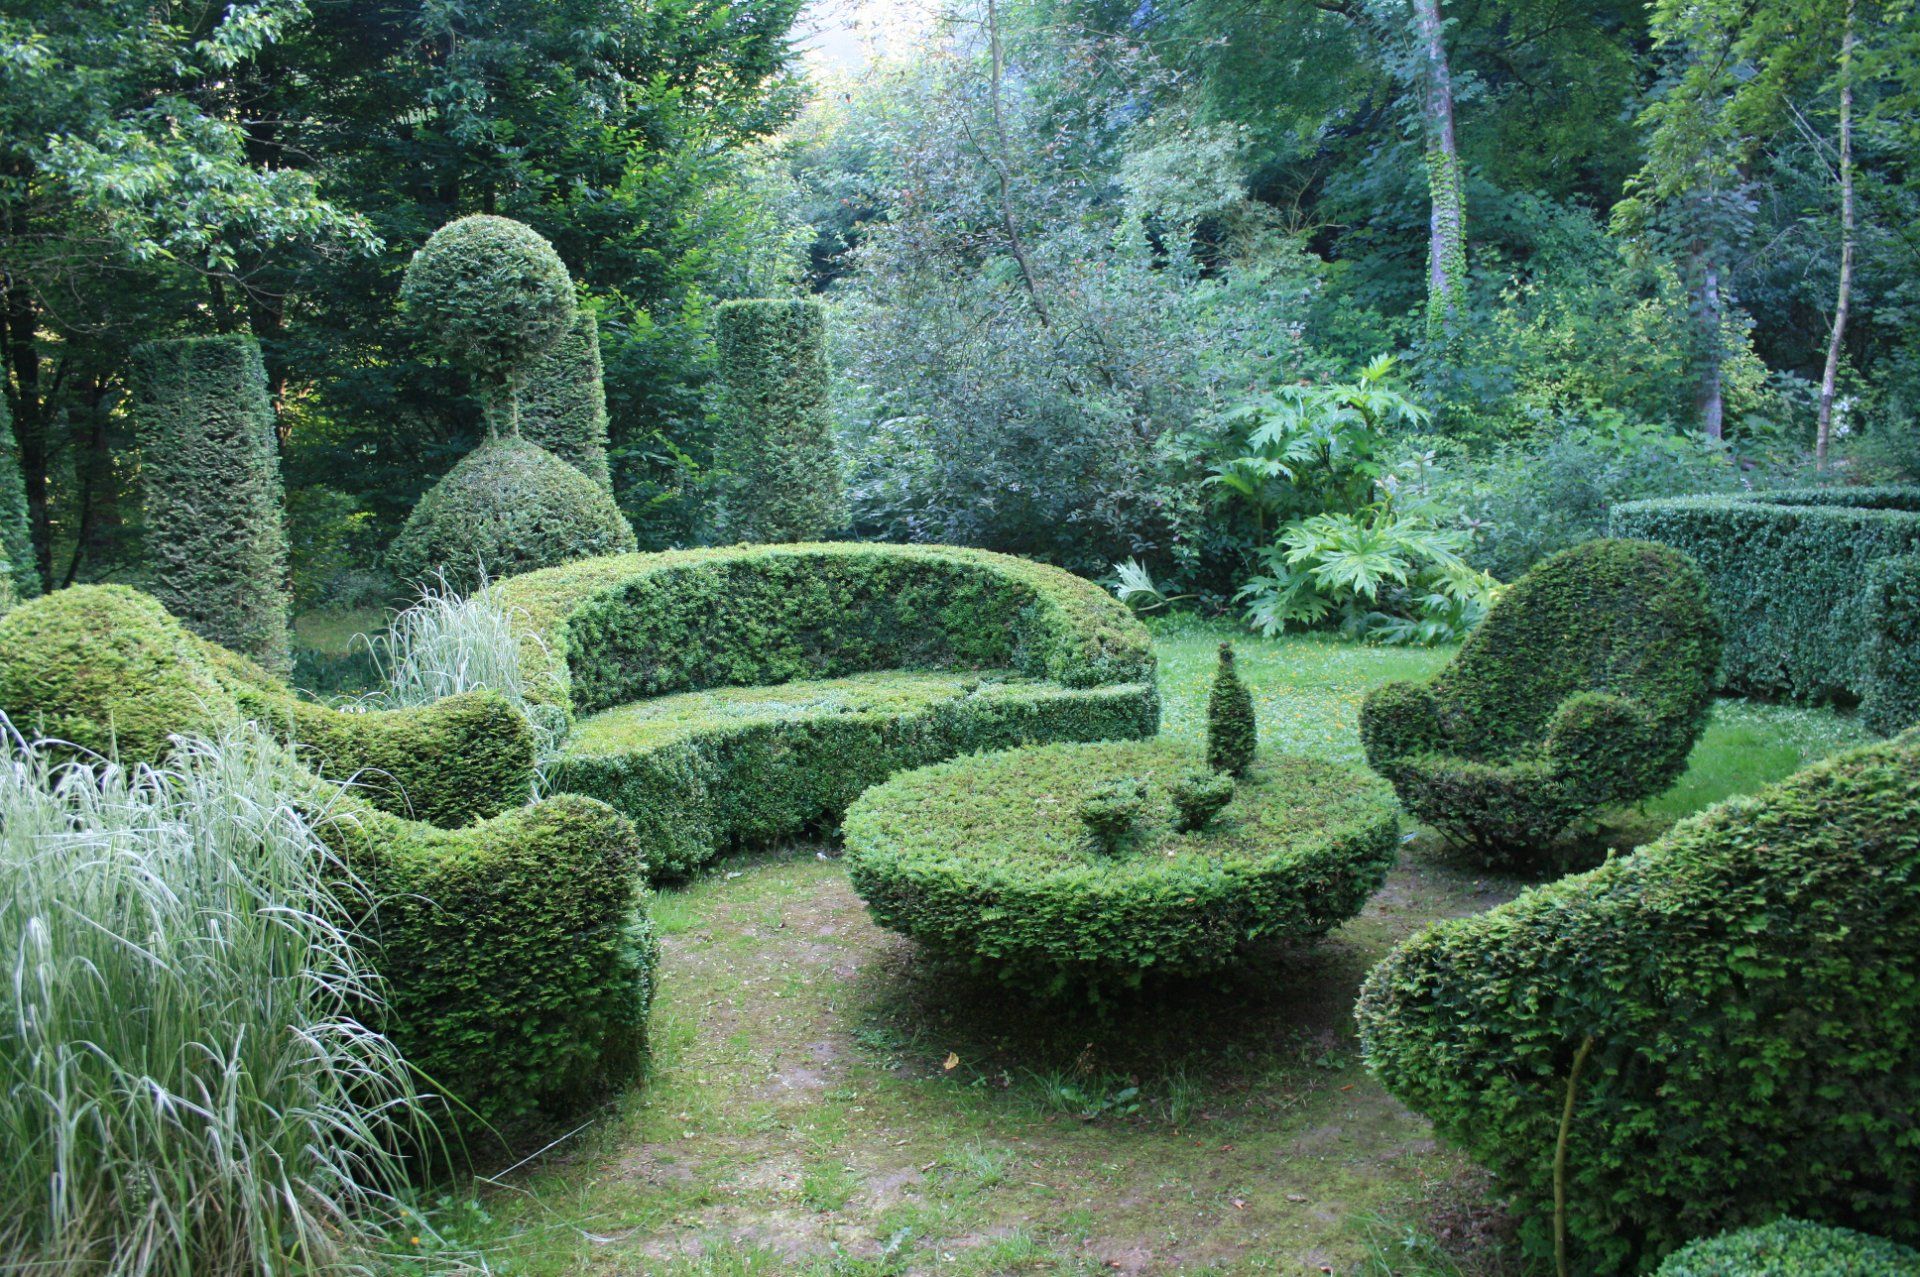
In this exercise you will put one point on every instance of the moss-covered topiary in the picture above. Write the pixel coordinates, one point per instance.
(1890, 680)
(516, 953)
(1232, 735)
(1586, 685)
(1787, 572)
(987, 859)
(778, 475)
(107, 669)
(564, 408)
(216, 537)
(507, 507)
(492, 294)
(1793, 1248)
(20, 573)
(1750, 985)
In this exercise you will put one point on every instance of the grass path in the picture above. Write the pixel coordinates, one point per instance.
(823, 1100)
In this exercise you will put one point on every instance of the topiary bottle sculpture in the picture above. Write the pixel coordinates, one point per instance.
(777, 471)
(210, 469)
(497, 299)
(1231, 733)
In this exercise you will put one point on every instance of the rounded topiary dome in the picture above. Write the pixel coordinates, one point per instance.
(492, 293)
(1080, 867)
(508, 507)
(108, 669)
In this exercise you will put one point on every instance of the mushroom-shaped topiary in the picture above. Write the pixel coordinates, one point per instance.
(492, 294)
(507, 507)
(1231, 734)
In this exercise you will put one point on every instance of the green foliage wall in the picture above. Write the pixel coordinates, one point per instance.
(778, 472)
(210, 470)
(564, 406)
(1793, 1248)
(1892, 667)
(1788, 573)
(1750, 984)
(20, 578)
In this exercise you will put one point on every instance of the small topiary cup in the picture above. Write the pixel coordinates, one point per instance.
(1111, 810)
(1198, 797)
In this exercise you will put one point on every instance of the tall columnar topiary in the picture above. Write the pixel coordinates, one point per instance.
(20, 575)
(492, 294)
(216, 538)
(1231, 733)
(564, 409)
(778, 473)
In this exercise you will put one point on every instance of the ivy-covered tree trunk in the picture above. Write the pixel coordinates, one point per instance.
(1823, 434)
(1447, 227)
(1712, 394)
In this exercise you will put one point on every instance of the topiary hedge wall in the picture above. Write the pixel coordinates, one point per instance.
(1891, 680)
(1793, 1248)
(1788, 573)
(216, 536)
(508, 506)
(20, 575)
(564, 407)
(776, 468)
(1750, 988)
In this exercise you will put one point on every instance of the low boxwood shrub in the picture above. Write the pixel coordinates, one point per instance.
(1744, 994)
(988, 860)
(1793, 1248)
(515, 950)
(1586, 685)
(700, 771)
(508, 506)
(1788, 573)
(216, 537)
(776, 470)
(1891, 677)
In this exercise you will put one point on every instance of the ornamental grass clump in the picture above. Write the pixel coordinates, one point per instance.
(187, 1088)
(1231, 732)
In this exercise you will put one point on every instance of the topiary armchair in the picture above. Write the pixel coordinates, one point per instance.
(1586, 686)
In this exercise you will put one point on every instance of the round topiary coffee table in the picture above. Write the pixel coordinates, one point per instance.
(1087, 867)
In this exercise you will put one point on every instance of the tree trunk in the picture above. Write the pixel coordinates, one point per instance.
(1823, 434)
(1711, 397)
(999, 162)
(1447, 228)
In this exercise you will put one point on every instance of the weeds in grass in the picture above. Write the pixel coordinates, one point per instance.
(186, 1085)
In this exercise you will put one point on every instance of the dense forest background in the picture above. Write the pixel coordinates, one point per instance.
(1083, 258)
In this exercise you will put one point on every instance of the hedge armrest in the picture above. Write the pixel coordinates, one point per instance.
(1398, 720)
(1599, 743)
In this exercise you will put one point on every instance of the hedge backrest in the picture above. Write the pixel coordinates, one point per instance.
(1788, 573)
(620, 629)
(1626, 617)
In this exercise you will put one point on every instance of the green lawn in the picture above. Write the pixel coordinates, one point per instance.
(824, 1100)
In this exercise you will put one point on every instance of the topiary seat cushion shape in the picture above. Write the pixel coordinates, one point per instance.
(512, 938)
(1749, 985)
(1587, 685)
(1071, 868)
(745, 693)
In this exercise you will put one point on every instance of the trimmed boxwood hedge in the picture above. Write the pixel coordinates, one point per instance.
(516, 953)
(210, 474)
(698, 771)
(1055, 656)
(1891, 679)
(777, 474)
(1788, 572)
(1750, 984)
(1586, 685)
(1793, 1248)
(564, 408)
(987, 859)
(508, 506)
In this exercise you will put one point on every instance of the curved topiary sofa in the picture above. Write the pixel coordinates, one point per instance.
(1749, 985)
(514, 943)
(1789, 575)
(752, 692)
(1586, 685)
